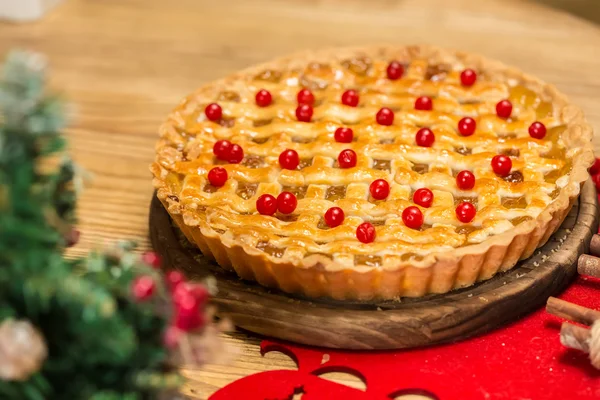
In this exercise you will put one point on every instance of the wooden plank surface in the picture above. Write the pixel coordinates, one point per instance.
(125, 63)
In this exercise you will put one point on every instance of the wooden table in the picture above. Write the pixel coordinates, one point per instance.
(125, 64)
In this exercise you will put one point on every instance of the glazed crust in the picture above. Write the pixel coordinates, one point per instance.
(438, 272)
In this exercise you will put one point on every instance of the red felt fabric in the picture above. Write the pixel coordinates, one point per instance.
(523, 360)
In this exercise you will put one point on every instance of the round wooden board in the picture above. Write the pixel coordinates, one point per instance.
(389, 324)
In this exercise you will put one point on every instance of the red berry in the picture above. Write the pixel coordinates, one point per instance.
(171, 337)
(412, 217)
(187, 314)
(174, 279)
(266, 204)
(347, 158)
(289, 159)
(467, 126)
(72, 238)
(213, 112)
(152, 259)
(379, 189)
(424, 103)
(236, 154)
(217, 176)
(305, 96)
(423, 197)
(468, 77)
(537, 130)
(425, 137)
(263, 98)
(198, 292)
(334, 217)
(504, 109)
(350, 98)
(501, 165)
(286, 202)
(395, 70)
(365, 232)
(595, 169)
(221, 149)
(385, 116)
(343, 135)
(143, 287)
(304, 112)
(465, 180)
(465, 212)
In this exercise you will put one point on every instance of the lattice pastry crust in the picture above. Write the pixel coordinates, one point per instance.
(298, 252)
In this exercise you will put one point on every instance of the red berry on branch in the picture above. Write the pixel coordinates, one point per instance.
(217, 176)
(423, 197)
(72, 238)
(305, 96)
(286, 202)
(537, 130)
(412, 217)
(343, 135)
(174, 279)
(213, 112)
(467, 126)
(266, 204)
(347, 158)
(424, 137)
(365, 232)
(465, 180)
(468, 77)
(501, 165)
(385, 116)
(350, 98)
(304, 112)
(465, 212)
(289, 159)
(379, 189)
(504, 109)
(334, 217)
(263, 98)
(152, 259)
(187, 314)
(395, 70)
(143, 287)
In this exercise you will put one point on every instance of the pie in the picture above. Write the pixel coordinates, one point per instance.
(372, 173)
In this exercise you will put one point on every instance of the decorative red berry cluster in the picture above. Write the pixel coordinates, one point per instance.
(379, 189)
(188, 299)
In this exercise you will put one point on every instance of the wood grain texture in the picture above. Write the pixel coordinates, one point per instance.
(125, 64)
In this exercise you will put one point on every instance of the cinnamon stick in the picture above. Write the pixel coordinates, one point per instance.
(588, 265)
(572, 312)
(595, 245)
(575, 337)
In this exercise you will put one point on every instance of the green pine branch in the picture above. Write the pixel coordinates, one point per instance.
(101, 344)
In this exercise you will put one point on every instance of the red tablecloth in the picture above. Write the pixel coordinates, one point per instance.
(523, 360)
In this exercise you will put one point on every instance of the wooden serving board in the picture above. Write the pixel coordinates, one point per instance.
(390, 324)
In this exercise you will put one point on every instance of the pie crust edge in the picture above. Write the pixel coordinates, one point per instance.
(317, 275)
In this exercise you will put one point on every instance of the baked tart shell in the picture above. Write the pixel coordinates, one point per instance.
(317, 275)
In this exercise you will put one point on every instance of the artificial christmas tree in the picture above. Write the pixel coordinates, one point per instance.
(106, 326)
